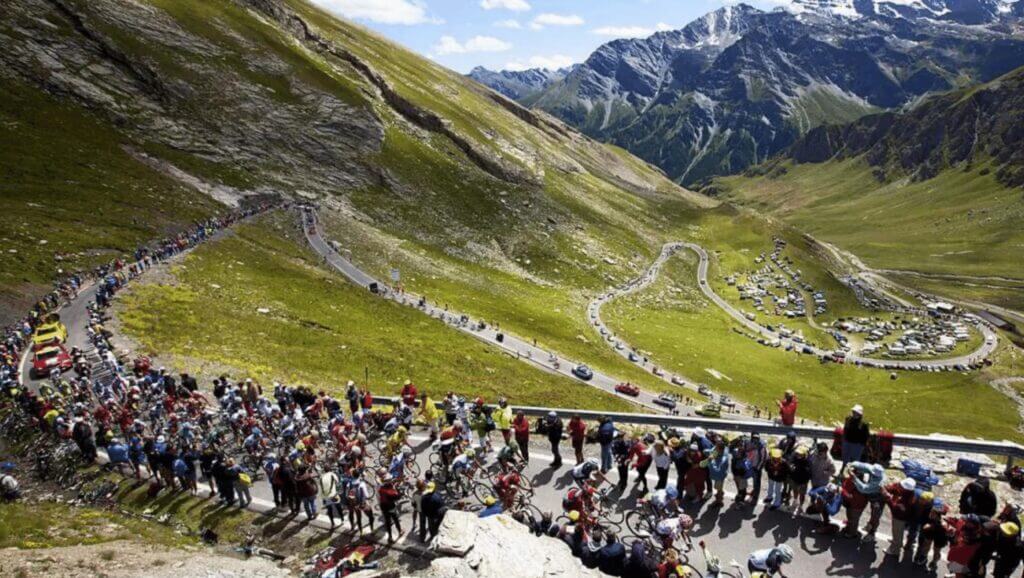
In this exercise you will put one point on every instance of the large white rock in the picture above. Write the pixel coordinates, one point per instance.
(499, 547)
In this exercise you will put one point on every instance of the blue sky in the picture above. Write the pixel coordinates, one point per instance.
(461, 34)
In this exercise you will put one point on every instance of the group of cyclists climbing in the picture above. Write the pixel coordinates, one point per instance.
(355, 459)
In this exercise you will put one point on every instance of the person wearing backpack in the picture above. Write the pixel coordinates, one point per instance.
(330, 492)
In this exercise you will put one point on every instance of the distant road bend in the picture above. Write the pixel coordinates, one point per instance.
(669, 249)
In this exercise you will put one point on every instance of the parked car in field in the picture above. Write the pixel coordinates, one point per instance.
(627, 389)
(47, 358)
(583, 372)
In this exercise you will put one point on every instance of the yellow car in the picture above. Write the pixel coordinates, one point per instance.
(54, 332)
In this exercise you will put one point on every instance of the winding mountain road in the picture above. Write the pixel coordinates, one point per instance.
(670, 249)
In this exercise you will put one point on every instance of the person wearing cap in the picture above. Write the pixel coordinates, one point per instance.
(696, 473)
(777, 469)
(433, 511)
(787, 408)
(1008, 550)
(900, 498)
(869, 480)
(756, 456)
(553, 426)
(855, 436)
(823, 469)
(826, 500)
(932, 536)
(799, 478)
(718, 469)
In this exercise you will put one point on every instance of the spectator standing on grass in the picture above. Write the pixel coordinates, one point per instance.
(787, 408)
(352, 395)
(855, 436)
(553, 425)
(577, 434)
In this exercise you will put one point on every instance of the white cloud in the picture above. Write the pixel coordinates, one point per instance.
(553, 62)
(549, 19)
(514, 5)
(511, 23)
(449, 45)
(406, 12)
(630, 31)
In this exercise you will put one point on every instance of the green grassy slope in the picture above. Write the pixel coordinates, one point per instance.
(319, 329)
(962, 222)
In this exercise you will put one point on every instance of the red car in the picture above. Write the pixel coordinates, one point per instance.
(48, 358)
(627, 389)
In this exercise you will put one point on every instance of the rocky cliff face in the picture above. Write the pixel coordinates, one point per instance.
(963, 127)
(739, 85)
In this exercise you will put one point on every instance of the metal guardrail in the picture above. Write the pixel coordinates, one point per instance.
(1007, 449)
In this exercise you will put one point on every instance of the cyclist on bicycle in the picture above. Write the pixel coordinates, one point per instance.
(664, 502)
(672, 528)
(769, 561)
(580, 500)
(464, 463)
(587, 473)
(398, 463)
(396, 441)
(507, 487)
(509, 456)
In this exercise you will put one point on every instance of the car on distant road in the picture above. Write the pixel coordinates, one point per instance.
(666, 400)
(50, 357)
(704, 390)
(583, 372)
(710, 410)
(676, 380)
(726, 401)
(634, 357)
(628, 389)
(657, 371)
(48, 333)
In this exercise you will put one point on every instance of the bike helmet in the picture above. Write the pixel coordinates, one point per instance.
(593, 462)
(574, 516)
(357, 451)
(672, 492)
(402, 430)
(785, 553)
(470, 452)
(407, 451)
(1009, 529)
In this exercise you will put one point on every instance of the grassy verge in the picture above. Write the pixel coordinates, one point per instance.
(33, 525)
(319, 329)
(672, 320)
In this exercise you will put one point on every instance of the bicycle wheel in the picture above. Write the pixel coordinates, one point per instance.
(482, 491)
(413, 468)
(639, 524)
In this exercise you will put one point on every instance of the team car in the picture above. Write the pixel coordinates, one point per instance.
(627, 389)
(49, 333)
(48, 358)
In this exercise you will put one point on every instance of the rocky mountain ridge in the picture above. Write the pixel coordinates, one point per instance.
(739, 85)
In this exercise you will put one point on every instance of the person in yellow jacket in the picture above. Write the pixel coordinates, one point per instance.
(503, 419)
(430, 414)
